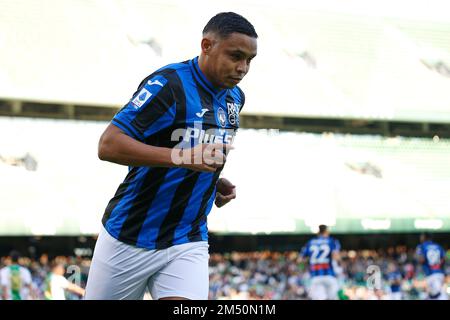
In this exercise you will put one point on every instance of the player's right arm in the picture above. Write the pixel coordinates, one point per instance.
(4, 292)
(303, 256)
(153, 108)
(3, 285)
(116, 146)
(336, 256)
(76, 289)
(420, 255)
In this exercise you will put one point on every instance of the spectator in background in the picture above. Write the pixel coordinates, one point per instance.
(395, 282)
(15, 279)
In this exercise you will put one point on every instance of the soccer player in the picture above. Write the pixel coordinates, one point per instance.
(15, 279)
(323, 254)
(174, 135)
(432, 257)
(56, 284)
(395, 282)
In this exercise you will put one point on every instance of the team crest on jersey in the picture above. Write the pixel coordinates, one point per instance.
(233, 113)
(221, 117)
(141, 98)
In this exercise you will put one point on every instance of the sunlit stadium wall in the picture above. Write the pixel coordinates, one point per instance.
(286, 182)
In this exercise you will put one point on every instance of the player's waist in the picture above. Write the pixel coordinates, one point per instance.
(320, 266)
(435, 267)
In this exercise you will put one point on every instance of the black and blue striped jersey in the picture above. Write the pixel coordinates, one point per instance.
(320, 252)
(433, 255)
(157, 207)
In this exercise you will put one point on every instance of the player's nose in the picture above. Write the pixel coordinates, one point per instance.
(242, 68)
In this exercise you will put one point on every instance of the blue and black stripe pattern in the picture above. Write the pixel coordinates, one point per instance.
(433, 255)
(156, 207)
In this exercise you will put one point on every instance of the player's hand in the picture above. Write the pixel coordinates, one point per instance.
(203, 157)
(225, 192)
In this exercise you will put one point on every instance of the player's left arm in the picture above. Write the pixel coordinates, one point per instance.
(4, 290)
(303, 256)
(420, 255)
(336, 251)
(225, 192)
(3, 286)
(76, 289)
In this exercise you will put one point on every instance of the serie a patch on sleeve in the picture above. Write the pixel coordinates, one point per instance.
(150, 89)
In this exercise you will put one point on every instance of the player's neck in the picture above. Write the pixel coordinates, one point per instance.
(205, 70)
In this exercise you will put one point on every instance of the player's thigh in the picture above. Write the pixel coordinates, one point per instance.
(185, 276)
(332, 288)
(435, 283)
(317, 290)
(118, 270)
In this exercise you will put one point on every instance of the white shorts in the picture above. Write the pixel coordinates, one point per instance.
(396, 296)
(324, 288)
(122, 271)
(435, 284)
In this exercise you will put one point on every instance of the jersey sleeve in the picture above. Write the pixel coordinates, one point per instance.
(26, 277)
(151, 109)
(60, 282)
(242, 98)
(304, 252)
(419, 251)
(336, 246)
(3, 278)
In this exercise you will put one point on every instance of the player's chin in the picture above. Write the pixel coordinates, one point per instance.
(230, 83)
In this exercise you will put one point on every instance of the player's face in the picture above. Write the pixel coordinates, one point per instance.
(229, 59)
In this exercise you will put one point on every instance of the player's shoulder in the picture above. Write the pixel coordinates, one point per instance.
(239, 96)
(24, 270)
(239, 91)
(169, 71)
(165, 77)
(334, 239)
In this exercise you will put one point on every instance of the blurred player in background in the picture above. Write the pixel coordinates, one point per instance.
(155, 231)
(15, 279)
(394, 278)
(56, 284)
(432, 257)
(323, 254)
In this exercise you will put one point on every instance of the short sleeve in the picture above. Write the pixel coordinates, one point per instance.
(337, 246)
(26, 276)
(61, 282)
(419, 251)
(3, 278)
(242, 98)
(304, 252)
(151, 109)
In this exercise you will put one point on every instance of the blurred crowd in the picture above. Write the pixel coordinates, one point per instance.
(363, 275)
(74, 269)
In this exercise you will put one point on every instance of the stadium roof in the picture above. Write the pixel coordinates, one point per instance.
(316, 59)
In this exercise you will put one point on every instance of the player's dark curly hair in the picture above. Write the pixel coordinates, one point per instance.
(225, 23)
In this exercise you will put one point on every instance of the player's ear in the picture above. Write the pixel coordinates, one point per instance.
(207, 44)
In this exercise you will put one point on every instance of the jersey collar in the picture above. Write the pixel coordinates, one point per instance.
(201, 78)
